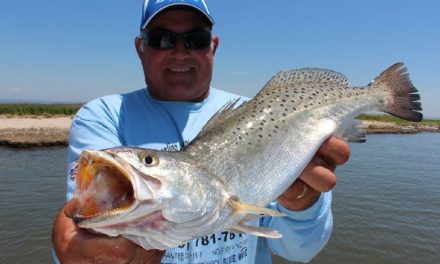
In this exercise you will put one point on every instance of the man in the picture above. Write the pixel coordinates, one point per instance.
(176, 50)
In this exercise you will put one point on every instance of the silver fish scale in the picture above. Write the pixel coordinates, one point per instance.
(237, 148)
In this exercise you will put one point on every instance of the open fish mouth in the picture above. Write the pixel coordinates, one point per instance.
(103, 186)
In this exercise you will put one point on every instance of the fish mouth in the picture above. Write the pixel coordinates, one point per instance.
(103, 186)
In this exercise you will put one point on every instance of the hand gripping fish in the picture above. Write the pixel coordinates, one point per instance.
(244, 158)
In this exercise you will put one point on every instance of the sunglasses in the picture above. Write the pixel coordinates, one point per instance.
(164, 40)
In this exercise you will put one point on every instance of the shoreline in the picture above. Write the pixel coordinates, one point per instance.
(43, 131)
(34, 131)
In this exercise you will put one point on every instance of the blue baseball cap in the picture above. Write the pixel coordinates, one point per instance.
(152, 7)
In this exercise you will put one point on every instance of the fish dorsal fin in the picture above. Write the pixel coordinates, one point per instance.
(306, 76)
(281, 80)
(215, 122)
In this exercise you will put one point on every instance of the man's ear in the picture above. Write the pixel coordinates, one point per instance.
(139, 47)
(215, 42)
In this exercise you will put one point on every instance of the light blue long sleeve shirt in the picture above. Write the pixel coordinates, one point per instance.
(136, 119)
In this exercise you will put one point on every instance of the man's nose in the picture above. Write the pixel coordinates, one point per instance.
(180, 49)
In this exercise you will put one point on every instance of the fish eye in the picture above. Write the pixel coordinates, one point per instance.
(149, 159)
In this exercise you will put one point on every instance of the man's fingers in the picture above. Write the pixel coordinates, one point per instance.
(72, 243)
(71, 207)
(334, 151)
(64, 226)
(319, 175)
(298, 196)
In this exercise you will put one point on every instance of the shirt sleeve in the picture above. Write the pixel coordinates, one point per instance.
(305, 233)
(97, 125)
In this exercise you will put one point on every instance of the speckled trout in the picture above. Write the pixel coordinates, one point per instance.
(244, 158)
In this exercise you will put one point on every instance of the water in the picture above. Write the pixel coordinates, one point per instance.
(32, 189)
(386, 204)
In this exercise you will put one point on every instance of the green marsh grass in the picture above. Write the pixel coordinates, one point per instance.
(393, 119)
(23, 109)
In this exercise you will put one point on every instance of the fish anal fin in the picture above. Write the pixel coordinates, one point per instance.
(249, 209)
(256, 230)
(355, 133)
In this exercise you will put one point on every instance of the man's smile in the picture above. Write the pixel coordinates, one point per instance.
(181, 70)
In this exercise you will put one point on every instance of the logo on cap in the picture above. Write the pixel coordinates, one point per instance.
(152, 8)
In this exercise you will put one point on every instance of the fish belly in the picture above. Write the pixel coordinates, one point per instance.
(258, 175)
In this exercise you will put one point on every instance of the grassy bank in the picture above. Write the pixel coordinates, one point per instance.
(71, 109)
(393, 119)
(39, 109)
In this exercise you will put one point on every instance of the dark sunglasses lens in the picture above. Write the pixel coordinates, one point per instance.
(168, 40)
(197, 39)
(161, 40)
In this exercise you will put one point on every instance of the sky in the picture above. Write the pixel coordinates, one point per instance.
(74, 51)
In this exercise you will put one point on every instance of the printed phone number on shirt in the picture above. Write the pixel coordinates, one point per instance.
(206, 240)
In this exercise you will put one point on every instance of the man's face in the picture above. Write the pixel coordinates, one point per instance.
(177, 74)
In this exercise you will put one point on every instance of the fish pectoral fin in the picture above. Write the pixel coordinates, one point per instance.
(242, 227)
(247, 209)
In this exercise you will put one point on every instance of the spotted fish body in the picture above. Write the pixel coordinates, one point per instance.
(248, 156)
(271, 138)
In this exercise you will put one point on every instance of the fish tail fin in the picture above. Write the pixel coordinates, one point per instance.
(402, 98)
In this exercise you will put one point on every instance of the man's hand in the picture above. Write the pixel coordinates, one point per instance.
(75, 245)
(318, 176)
